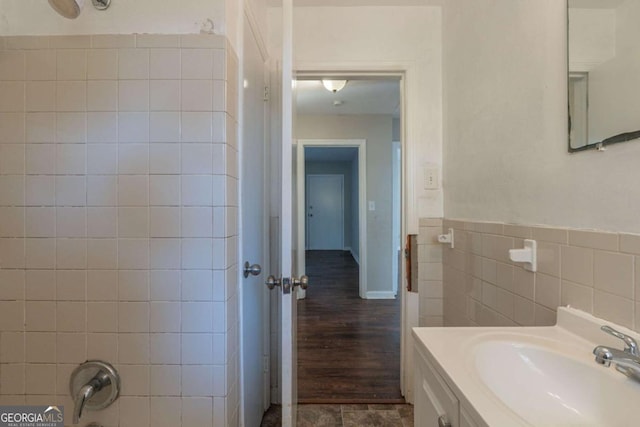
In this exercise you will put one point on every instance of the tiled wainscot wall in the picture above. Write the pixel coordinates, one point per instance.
(430, 273)
(118, 223)
(598, 272)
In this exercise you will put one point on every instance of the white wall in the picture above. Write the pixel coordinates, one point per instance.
(377, 131)
(506, 125)
(35, 17)
(383, 38)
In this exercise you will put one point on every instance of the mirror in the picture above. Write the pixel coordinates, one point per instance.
(604, 72)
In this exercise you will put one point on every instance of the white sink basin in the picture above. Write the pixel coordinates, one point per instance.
(552, 386)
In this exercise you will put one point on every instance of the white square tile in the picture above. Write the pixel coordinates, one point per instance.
(164, 221)
(13, 350)
(138, 380)
(165, 411)
(165, 381)
(133, 190)
(102, 254)
(165, 158)
(133, 64)
(197, 317)
(71, 159)
(164, 95)
(133, 349)
(197, 190)
(197, 253)
(102, 127)
(71, 316)
(197, 411)
(219, 184)
(12, 66)
(40, 222)
(102, 95)
(40, 253)
(165, 254)
(102, 159)
(12, 222)
(12, 127)
(197, 222)
(220, 260)
(164, 190)
(133, 95)
(71, 64)
(40, 191)
(165, 127)
(12, 189)
(165, 285)
(71, 285)
(134, 411)
(71, 96)
(41, 64)
(102, 285)
(133, 159)
(196, 127)
(40, 159)
(133, 254)
(197, 285)
(165, 64)
(219, 64)
(102, 346)
(133, 222)
(165, 348)
(219, 349)
(197, 380)
(197, 63)
(71, 222)
(40, 379)
(133, 285)
(133, 127)
(196, 95)
(224, 160)
(40, 127)
(219, 91)
(196, 159)
(102, 64)
(133, 317)
(71, 127)
(196, 348)
(40, 96)
(165, 317)
(40, 316)
(71, 191)
(12, 315)
(12, 96)
(71, 253)
(102, 222)
(12, 159)
(102, 190)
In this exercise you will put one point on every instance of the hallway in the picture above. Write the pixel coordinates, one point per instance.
(348, 348)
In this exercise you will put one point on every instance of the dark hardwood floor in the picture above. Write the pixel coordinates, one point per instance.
(348, 348)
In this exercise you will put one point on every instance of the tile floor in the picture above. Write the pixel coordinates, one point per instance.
(346, 416)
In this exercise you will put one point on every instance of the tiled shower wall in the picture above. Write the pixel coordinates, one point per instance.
(430, 273)
(597, 272)
(118, 223)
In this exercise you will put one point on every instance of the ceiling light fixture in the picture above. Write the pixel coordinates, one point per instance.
(334, 85)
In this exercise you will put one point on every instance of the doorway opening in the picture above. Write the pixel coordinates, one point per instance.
(349, 224)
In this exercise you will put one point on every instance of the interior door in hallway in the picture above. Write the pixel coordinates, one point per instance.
(325, 212)
(254, 234)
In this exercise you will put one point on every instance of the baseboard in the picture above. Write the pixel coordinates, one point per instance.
(381, 295)
(355, 257)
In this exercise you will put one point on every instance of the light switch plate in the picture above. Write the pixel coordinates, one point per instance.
(431, 181)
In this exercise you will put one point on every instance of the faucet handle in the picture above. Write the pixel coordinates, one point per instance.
(631, 346)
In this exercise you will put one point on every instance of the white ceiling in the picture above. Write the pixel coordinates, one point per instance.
(357, 97)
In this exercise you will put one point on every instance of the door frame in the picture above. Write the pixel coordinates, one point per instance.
(342, 207)
(361, 145)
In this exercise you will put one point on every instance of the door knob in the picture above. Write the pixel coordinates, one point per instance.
(272, 282)
(303, 282)
(253, 270)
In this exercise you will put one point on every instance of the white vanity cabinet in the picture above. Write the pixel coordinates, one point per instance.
(435, 403)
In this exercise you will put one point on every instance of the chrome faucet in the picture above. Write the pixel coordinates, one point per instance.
(87, 392)
(93, 385)
(627, 361)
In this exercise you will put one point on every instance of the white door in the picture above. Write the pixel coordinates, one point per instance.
(253, 292)
(325, 212)
(282, 217)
